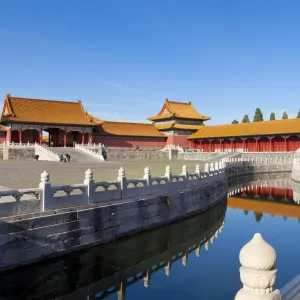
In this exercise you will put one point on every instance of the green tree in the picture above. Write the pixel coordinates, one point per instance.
(298, 116)
(258, 116)
(272, 116)
(285, 116)
(246, 212)
(235, 122)
(245, 119)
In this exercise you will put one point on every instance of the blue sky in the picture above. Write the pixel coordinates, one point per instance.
(122, 58)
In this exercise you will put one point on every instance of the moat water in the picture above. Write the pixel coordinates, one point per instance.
(196, 258)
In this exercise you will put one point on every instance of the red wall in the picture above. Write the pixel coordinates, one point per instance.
(2, 136)
(130, 142)
(178, 140)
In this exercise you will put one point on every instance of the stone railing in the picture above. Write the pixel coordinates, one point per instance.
(173, 147)
(18, 145)
(91, 151)
(91, 192)
(296, 167)
(191, 155)
(46, 152)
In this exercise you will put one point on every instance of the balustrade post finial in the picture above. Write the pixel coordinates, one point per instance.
(147, 177)
(89, 175)
(185, 172)
(123, 183)
(258, 273)
(168, 174)
(206, 168)
(197, 170)
(45, 177)
(45, 194)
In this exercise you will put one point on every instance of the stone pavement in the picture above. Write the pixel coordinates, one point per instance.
(26, 174)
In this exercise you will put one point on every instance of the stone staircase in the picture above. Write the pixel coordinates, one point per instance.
(77, 156)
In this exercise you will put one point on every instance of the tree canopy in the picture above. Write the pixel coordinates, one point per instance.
(298, 116)
(272, 116)
(258, 116)
(245, 119)
(235, 122)
(285, 116)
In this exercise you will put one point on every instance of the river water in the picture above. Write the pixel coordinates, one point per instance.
(196, 258)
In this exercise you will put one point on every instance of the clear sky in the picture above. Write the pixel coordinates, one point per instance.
(122, 58)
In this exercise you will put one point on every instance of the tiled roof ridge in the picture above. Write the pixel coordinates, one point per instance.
(137, 123)
(37, 99)
(247, 123)
(179, 102)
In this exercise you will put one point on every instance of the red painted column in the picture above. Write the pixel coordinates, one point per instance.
(243, 145)
(90, 138)
(231, 145)
(20, 136)
(285, 143)
(270, 146)
(41, 136)
(82, 138)
(8, 135)
(256, 144)
(210, 146)
(221, 146)
(65, 138)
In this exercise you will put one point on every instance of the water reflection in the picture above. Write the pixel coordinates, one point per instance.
(109, 269)
(272, 194)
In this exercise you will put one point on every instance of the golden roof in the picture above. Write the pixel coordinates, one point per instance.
(3, 128)
(108, 128)
(180, 110)
(290, 126)
(26, 110)
(268, 207)
(93, 118)
(174, 125)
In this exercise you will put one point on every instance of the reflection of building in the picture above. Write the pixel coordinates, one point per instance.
(266, 200)
(102, 271)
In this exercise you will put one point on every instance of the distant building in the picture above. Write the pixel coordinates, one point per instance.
(178, 120)
(279, 135)
(25, 120)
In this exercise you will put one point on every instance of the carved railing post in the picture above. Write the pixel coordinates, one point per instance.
(123, 183)
(46, 195)
(147, 177)
(185, 174)
(90, 189)
(168, 174)
(258, 273)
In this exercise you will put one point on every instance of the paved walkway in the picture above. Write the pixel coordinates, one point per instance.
(26, 174)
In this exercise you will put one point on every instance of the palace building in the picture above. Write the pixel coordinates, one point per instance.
(178, 120)
(277, 135)
(178, 123)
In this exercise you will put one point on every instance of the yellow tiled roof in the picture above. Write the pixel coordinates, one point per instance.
(290, 126)
(27, 110)
(108, 128)
(2, 128)
(177, 126)
(178, 109)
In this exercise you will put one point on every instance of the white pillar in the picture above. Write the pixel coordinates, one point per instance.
(258, 273)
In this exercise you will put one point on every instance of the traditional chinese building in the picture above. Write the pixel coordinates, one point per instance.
(279, 135)
(66, 122)
(178, 120)
(126, 134)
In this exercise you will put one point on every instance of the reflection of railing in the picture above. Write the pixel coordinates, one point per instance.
(123, 263)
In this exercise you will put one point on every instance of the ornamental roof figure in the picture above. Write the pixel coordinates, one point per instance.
(183, 110)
